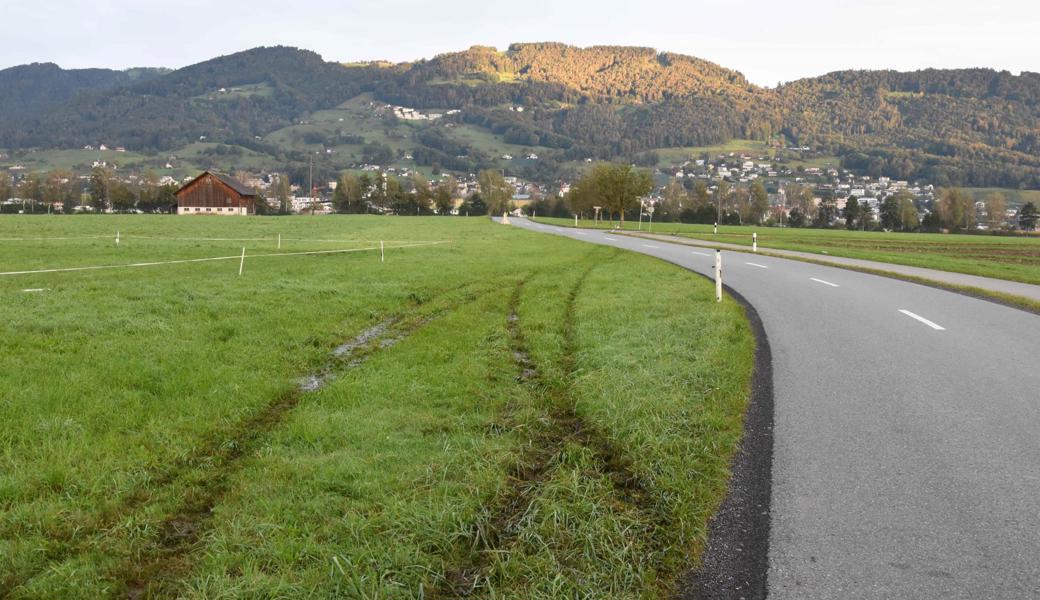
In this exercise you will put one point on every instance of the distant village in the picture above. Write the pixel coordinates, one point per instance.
(826, 186)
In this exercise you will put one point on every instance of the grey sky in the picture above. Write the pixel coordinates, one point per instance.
(767, 41)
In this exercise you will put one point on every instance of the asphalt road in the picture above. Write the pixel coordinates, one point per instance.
(906, 459)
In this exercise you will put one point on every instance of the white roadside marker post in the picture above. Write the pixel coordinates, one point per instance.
(242, 263)
(718, 276)
(382, 256)
(117, 238)
(754, 242)
(716, 230)
(279, 241)
(575, 220)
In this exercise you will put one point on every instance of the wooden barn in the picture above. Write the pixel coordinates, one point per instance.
(214, 193)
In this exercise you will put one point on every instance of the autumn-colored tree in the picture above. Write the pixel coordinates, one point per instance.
(494, 190)
(996, 204)
(759, 202)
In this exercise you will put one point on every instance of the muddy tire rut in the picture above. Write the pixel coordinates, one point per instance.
(561, 427)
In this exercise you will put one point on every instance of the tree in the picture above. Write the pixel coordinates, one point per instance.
(166, 199)
(6, 186)
(121, 197)
(996, 204)
(100, 181)
(700, 195)
(1028, 216)
(283, 194)
(340, 203)
(474, 205)
(890, 213)
(353, 193)
(32, 188)
(442, 196)
(494, 191)
(801, 197)
(759, 201)
(825, 214)
(616, 187)
(60, 187)
(956, 209)
(907, 211)
(421, 193)
(853, 213)
(581, 197)
(672, 202)
(722, 193)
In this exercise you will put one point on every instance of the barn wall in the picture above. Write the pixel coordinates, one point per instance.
(209, 196)
(227, 211)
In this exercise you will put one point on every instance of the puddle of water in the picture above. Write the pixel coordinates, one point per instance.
(316, 381)
(312, 383)
(363, 338)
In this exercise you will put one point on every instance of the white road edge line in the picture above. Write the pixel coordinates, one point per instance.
(580, 233)
(824, 282)
(934, 326)
(700, 253)
(757, 265)
(651, 246)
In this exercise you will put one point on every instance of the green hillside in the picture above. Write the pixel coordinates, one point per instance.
(970, 127)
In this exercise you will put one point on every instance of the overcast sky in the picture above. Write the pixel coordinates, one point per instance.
(769, 42)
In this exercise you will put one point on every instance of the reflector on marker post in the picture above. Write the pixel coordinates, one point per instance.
(718, 275)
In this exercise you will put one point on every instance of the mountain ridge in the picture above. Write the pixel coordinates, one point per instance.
(977, 125)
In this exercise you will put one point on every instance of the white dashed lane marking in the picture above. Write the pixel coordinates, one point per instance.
(934, 326)
(824, 282)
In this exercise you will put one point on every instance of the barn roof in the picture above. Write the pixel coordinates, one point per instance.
(227, 180)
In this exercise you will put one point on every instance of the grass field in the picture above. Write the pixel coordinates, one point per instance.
(504, 414)
(1003, 257)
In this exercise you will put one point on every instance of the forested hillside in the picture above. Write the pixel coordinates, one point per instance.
(32, 89)
(953, 127)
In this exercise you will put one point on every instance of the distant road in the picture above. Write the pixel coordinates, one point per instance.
(1003, 286)
(907, 430)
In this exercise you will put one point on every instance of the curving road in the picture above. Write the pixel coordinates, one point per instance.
(906, 459)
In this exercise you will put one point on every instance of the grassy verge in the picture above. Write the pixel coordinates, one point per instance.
(508, 414)
(1012, 258)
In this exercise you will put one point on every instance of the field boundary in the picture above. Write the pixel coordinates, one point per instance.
(212, 259)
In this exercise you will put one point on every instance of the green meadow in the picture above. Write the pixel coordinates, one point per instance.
(1016, 258)
(488, 412)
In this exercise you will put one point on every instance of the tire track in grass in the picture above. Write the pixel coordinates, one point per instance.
(169, 557)
(225, 448)
(563, 426)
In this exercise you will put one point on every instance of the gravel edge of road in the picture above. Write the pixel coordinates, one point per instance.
(736, 562)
